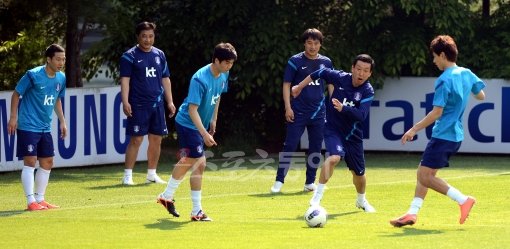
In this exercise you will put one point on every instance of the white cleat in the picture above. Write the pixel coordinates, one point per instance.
(309, 187)
(365, 206)
(277, 187)
(154, 179)
(128, 180)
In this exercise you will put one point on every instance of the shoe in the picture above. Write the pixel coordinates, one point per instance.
(34, 206)
(309, 187)
(128, 180)
(169, 205)
(365, 206)
(277, 187)
(200, 216)
(154, 179)
(404, 220)
(466, 208)
(48, 205)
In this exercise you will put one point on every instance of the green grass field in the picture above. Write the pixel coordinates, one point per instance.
(97, 212)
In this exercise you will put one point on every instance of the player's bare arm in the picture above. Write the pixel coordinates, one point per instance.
(431, 117)
(124, 91)
(289, 113)
(480, 95)
(212, 124)
(296, 90)
(197, 121)
(167, 86)
(60, 114)
(13, 120)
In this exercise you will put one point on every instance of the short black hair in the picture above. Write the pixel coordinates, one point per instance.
(145, 26)
(52, 49)
(364, 58)
(313, 33)
(445, 44)
(224, 51)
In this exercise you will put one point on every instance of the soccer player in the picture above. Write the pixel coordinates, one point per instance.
(452, 90)
(196, 124)
(350, 96)
(37, 94)
(145, 81)
(306, 111)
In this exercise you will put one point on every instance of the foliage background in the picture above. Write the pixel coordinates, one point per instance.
(265, 33)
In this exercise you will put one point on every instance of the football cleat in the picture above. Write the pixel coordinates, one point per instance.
(200, 216)
(404, 220)
(309, 187)
(48, 205)
(154, 179)
(277, 187)
(365, 206)
(169, 205)
(34, 206)
(466, 208)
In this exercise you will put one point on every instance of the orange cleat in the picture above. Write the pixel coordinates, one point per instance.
(34, 206)
(200, 216)
(466, 208)
(47, 205)
(169, 205)
(404, 220)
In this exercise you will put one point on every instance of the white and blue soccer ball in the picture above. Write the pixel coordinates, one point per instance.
(316, 216)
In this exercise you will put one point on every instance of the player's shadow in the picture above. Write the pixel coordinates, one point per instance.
(265, 195)
(166, 224)
(120, 185)
(330, 216)
(411, 231)
(9, 213)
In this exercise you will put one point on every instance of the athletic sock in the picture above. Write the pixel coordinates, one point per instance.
(317, 194)
(172, 185)
(196, 198)
(415, 205)
(456, 195)
(128, 172)
(27, 180)
(42, 178)
(361, 198)
(151, 173)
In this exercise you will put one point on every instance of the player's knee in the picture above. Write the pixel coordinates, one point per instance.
(333, 160)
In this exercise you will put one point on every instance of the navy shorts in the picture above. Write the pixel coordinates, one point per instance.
(145, 120)
(191, 143)
(351, 152)
(438, 153)
(38, 144)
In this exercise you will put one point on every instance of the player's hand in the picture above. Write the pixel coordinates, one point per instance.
(337, 104)
(295, 91)
(209, 140)
(408, 136)
(212, 128)
(127, 109)
(12, 126)
(171, 109)
(63, 131)
(289, 115)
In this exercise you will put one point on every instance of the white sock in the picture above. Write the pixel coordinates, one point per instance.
(317, 194)
(128, 172)
(456, 195)
(415, 205)
(361, 198)
(172, 185)
(196, 198)
(42, 178)
(27, 180)
(151, 172)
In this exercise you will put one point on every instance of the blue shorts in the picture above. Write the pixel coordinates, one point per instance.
(438, 153)
(145, 120)
(351, 152)
(191, 143)
(38, 144)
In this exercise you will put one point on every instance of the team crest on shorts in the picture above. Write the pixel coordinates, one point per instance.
(199, 149)
(30, 148)
(136, 128)
(339, 148)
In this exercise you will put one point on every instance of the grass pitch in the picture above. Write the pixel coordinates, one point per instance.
(97, 212)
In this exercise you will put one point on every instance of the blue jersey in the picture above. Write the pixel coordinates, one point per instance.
(39, 94)
(204, 91)
(311, 100)
(145, 70)
(452, 91)
(356, 103)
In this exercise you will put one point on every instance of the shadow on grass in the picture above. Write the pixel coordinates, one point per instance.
(330, 216)
(166, 224)
(411, 231)
(266, 195)
(9, 213)
(120, 185)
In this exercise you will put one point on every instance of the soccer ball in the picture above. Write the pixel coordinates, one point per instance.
(316, 216)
